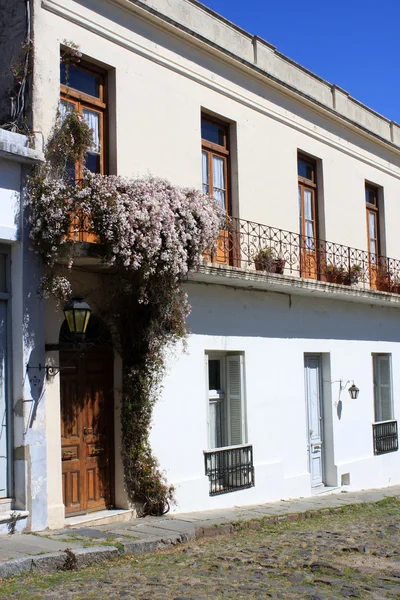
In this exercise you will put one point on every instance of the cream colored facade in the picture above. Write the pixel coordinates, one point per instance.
(167, 63)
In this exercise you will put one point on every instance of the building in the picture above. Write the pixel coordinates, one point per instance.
(299, 302)
(17, 437)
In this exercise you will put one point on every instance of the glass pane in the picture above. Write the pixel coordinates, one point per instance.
(215, 433)
(305, 170)
(310, 229)
(214, 374)
(219, 180)
(92, 118)
(3, 406)
(300, 212)
(92, 162)
(65, 106)
(204, 170)
(371, 196)
(3, 273)
(372, 229)
(70, 172)
(308, 205)
(80, 80)
(212, 133)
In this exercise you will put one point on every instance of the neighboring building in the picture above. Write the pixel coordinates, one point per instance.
(19, 440)
(258, 407)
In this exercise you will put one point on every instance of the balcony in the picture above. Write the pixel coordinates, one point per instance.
(260, 252)
(229, 469)
(271, 251)
(385, 437)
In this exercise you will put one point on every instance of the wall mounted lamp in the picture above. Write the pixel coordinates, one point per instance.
(77, 314)
(353, 389)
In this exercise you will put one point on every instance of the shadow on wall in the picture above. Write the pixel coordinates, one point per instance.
(223, 311)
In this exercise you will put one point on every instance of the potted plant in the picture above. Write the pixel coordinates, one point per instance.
(353, 275)
(279, 265)
(382, 278)
(334, 273)
(264, 260)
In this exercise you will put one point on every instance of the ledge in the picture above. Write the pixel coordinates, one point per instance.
(291, 285)
(14, 146)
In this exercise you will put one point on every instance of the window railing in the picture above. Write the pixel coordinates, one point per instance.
(385, 437)
(248, 245)
(229, 469)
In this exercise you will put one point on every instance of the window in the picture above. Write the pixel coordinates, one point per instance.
(84, 91)
(229, 464)
(215, 161)
(307, 196)
(383, 387)
(226, 409)
(371, 202)
(384, 430)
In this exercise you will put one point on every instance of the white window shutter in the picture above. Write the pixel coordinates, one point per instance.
(383, 387)
(234, 367)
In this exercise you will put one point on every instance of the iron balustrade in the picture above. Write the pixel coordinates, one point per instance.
(229, 469)
(249, 245)
(385, 437)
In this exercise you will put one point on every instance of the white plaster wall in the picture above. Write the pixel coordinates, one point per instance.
(274, 331)
(161, 85)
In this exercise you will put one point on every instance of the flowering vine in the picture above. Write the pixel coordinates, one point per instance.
(152, 233)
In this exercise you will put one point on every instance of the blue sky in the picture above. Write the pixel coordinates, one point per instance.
(353, 43)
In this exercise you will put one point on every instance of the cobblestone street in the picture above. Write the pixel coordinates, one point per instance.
(355, 554)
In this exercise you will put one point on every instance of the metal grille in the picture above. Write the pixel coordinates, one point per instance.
(249, 245)
(229, 469)
(385, 437)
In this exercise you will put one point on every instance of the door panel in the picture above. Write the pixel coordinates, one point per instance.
(87, 430)
(314, 415)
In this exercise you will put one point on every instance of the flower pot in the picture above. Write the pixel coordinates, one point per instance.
(264, 263)
(279, 265)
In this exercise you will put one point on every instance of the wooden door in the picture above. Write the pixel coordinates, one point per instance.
(87, 430)
(215, 177)
(307, 191)
(314, 414)
(379, 279)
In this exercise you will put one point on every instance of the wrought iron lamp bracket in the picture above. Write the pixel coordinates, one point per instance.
(51, 370)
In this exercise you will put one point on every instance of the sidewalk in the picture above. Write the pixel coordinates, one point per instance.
(46, 551)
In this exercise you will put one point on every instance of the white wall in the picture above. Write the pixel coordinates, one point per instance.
(161, 85)
(274, 331)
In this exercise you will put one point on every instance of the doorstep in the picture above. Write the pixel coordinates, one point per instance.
(324, 489)
(101, 517)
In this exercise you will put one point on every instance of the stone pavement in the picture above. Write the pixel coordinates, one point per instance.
(86, 545)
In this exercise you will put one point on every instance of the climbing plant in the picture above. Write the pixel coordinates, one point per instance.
(152, 233)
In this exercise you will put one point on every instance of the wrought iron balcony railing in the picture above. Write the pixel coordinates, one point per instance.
(385, 437)
(249, 245)
(229, 469)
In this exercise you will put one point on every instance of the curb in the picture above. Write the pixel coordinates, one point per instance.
(83, 557)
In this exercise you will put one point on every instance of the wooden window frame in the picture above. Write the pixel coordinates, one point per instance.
(223, 151)
(81, 100)
(310, 184)
(373, 209)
